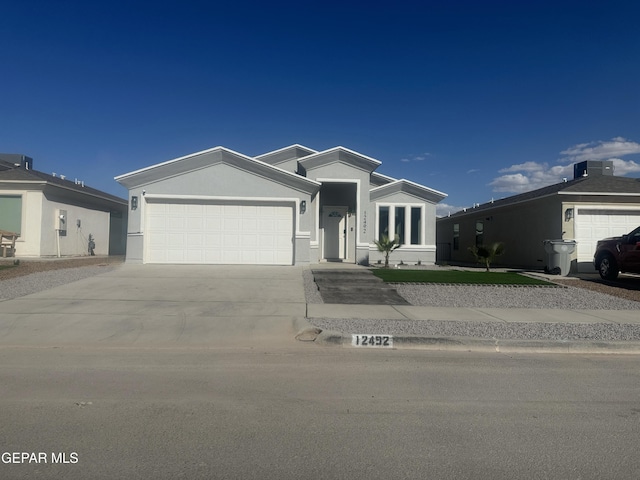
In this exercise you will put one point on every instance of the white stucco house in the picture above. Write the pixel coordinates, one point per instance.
(295, 205)
(54, 215)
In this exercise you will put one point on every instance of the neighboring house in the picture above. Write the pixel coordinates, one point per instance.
(592, 206)
(291, 206)
(54, 216)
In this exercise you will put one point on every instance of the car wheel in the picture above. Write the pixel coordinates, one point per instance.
(608, 268)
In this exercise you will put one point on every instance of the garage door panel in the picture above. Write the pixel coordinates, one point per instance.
(175, 240)
(213, 241)
(219, 234)
(250, 241)
(231, 224)
(592, 225)
(195, 240)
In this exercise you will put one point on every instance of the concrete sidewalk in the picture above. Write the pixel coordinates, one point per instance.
(508, 315)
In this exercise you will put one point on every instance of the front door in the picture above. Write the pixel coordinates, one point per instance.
(334, 221)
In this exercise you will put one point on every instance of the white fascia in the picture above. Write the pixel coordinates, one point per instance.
(338, 148)
(290, 174)
(417, 185)
(385, 177)
(168, 162)
(605, 194)
(295, 145)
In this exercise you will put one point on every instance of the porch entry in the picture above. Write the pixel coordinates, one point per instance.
(334, 221)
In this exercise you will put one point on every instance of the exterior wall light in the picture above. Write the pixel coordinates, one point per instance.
(568, 214)
(134, 202)
(303, 206)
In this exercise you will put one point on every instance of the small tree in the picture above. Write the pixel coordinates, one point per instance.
(487, 253)
(386, 246)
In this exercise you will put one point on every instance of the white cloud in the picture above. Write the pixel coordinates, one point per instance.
(527, 176)
(614, 148)
(444, 210)
(622, 167)
(473, 170)
(415, 158)
(522, 167)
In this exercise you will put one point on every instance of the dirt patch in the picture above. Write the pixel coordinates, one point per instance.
(626, 287)
(26, 267)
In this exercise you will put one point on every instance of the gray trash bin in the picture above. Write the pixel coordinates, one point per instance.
(559, 254)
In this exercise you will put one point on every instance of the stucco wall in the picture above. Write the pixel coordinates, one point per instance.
(521, 227)
(75, 242)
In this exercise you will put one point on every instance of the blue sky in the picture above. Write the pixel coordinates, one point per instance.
(479, 100)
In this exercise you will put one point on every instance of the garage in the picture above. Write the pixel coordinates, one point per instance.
(595, 224)
(219, 232)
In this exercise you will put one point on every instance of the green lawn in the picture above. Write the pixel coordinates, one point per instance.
(456, 276)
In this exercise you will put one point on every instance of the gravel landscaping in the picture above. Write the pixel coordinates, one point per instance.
(32, 276)
(569, 294)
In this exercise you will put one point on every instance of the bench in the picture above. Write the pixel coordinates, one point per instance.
(8, 243)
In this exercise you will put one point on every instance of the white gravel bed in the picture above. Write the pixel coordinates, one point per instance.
(494, 330)
(490, 296)
(485, 296)
(311, 291)
(39, 281)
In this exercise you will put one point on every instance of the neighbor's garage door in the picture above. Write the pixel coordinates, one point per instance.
(215, 233)
(595, 224)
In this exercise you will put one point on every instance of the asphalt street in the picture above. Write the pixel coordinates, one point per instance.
(317, 412)
(159, 372)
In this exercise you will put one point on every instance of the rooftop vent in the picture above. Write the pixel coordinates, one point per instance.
(592, 167)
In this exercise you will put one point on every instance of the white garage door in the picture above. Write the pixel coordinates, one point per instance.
(595, 224)
(215, 233)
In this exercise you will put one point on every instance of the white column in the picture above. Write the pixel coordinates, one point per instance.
(407, 225)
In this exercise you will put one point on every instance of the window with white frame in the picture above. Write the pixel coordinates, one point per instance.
(405, 221)
(11, 213)
(456, 236)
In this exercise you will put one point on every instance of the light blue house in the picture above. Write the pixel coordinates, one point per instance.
(290, 206)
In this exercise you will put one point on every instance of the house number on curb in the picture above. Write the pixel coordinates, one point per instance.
(382, 341)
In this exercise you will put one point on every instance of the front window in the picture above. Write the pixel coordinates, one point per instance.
(456, 236)
(416, 225)
(403, 221)
(11, 213)
(479, 234)
(383, 222)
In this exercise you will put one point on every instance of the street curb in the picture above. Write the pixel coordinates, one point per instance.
(469, 344)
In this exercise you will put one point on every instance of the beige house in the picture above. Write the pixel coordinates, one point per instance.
(55, 215)
(594, 205)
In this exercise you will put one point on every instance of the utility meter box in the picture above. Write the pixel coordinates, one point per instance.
(61, 222)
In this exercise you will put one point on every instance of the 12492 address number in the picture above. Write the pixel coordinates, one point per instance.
(383, 341)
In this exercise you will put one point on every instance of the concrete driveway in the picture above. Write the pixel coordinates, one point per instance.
(163, 305)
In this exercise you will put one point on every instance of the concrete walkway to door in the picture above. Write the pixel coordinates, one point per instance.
(163, 305)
